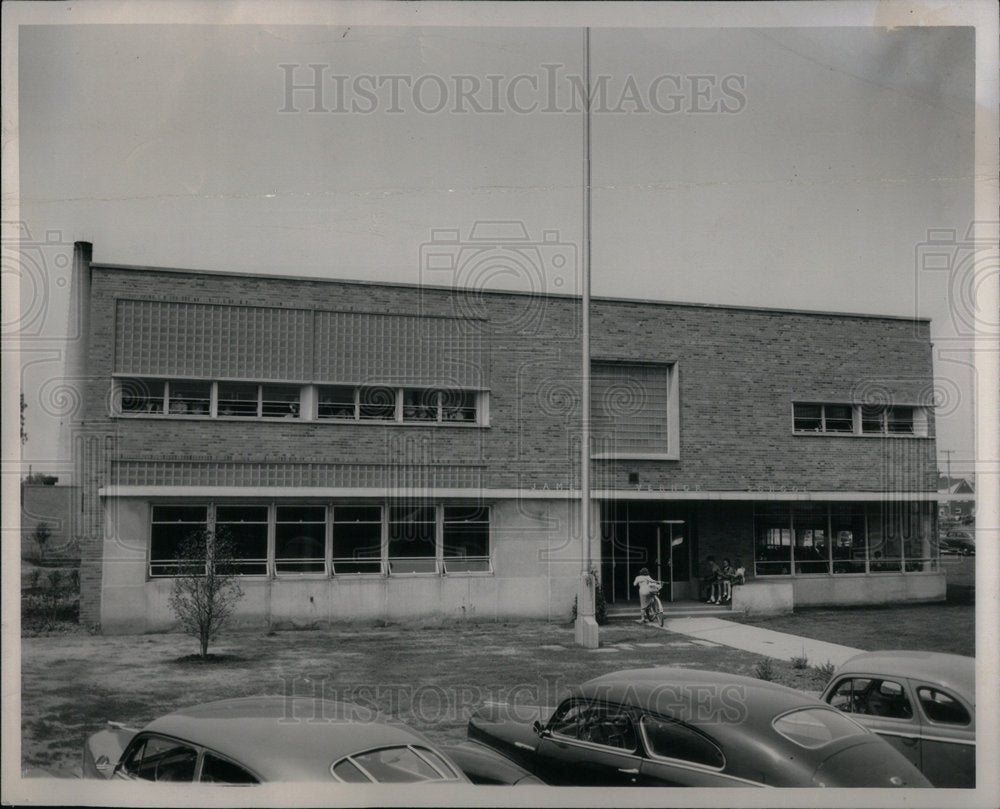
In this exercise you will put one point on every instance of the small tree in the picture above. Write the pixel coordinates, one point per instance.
(206, 589)
(41, 536)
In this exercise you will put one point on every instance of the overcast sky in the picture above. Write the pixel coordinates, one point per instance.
(768, 167)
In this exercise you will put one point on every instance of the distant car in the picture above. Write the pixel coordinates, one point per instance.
(681, 727)
(924, 703)
(262, 739)
(960, 542)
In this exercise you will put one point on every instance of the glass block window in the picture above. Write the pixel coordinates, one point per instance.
(357, 539)
(300, 539)
(466, 539)
(247, 527)
(171, 525)
(412, 539)
(629, 407)
(337, 402)
(142, 395)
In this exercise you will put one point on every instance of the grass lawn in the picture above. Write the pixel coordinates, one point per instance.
(431, 676)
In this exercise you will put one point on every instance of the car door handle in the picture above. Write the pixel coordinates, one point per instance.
(629, 771)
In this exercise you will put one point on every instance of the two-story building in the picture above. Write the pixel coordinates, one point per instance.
(383, 451)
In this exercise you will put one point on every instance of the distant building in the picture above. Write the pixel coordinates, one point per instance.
(954, 504)
(389, 451)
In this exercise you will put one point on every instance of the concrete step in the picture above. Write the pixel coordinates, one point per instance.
(682, 609)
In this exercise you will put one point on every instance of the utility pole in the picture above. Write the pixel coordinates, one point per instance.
(948, 453)
(586, 622)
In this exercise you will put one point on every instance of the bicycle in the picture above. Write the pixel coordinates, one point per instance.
(653, 611)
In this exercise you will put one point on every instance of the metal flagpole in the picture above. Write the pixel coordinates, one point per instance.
(586, 623)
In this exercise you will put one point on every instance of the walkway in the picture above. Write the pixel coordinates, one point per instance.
(761, 641)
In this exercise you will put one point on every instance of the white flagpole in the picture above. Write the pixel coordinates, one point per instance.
(586, 623)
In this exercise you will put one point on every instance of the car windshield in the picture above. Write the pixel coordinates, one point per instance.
(394, 765)
(814, 727)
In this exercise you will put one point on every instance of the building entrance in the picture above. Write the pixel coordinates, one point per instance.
(638, 534)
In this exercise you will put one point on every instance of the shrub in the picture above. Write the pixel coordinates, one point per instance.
(824, 672)
(600, 604)
(800, 662)
(764, 670)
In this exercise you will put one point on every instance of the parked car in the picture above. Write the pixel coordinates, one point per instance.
(252, 740)
(960, 542)
(923, 703)
(681, 727)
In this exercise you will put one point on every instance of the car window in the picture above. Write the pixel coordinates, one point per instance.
(814, 727)
(347, 770)
(219, 771)
(668, 739)
(598, 723)
(395, 765)
(939, 707)
(158, 759)
(872, 697)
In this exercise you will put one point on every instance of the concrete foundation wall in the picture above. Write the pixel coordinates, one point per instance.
(535, 573)
(764, 598)
(875, 588)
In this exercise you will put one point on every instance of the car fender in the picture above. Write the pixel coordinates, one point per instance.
(102, 751)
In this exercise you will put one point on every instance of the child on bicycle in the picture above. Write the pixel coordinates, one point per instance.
(648, 587)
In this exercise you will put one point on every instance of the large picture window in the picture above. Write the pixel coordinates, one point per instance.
(300, 539)
(247, 527)
(412, 539)
(357, 539)
(171, 525)
(466, 538)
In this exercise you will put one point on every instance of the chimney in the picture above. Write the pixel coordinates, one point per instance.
(77, 335)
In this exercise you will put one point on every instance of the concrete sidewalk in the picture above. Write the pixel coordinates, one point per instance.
(761, 641)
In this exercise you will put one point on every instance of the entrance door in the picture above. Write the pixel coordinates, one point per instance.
(645, 534)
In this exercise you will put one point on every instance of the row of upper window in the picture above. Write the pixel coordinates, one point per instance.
(340, 539)
(854, 419)
(141, 396)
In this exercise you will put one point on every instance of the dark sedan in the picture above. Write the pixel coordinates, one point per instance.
(680, 727)
(262, 739)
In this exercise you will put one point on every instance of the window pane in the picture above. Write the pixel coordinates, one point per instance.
(167, 760)
(900, 420)
(280, 401)
(346, 771)
(357, 539)
(412, 543)
(811, 545)
(609, 726)
(171, 525)
(885, 698)
(814, 727)
(466, 538)
(420, 405)
(808, 418)
(629, 407)
(839, 418)
(219, 771)
(848, 537)
(872, 419)
(336, 402)
(190, 398)
(458, 405)
(247, 527)
(397, 765)
(673, 740)
(300, 539)
(237, 399)
(773, 540)
(939, 707)
(142, 395)
(378, 403)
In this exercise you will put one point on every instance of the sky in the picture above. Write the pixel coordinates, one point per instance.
(778, 167)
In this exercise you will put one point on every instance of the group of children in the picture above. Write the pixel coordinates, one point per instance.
(719, 581)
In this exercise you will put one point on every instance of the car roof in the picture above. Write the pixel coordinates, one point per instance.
(956, 672)
(693, 693)
(284, 738)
